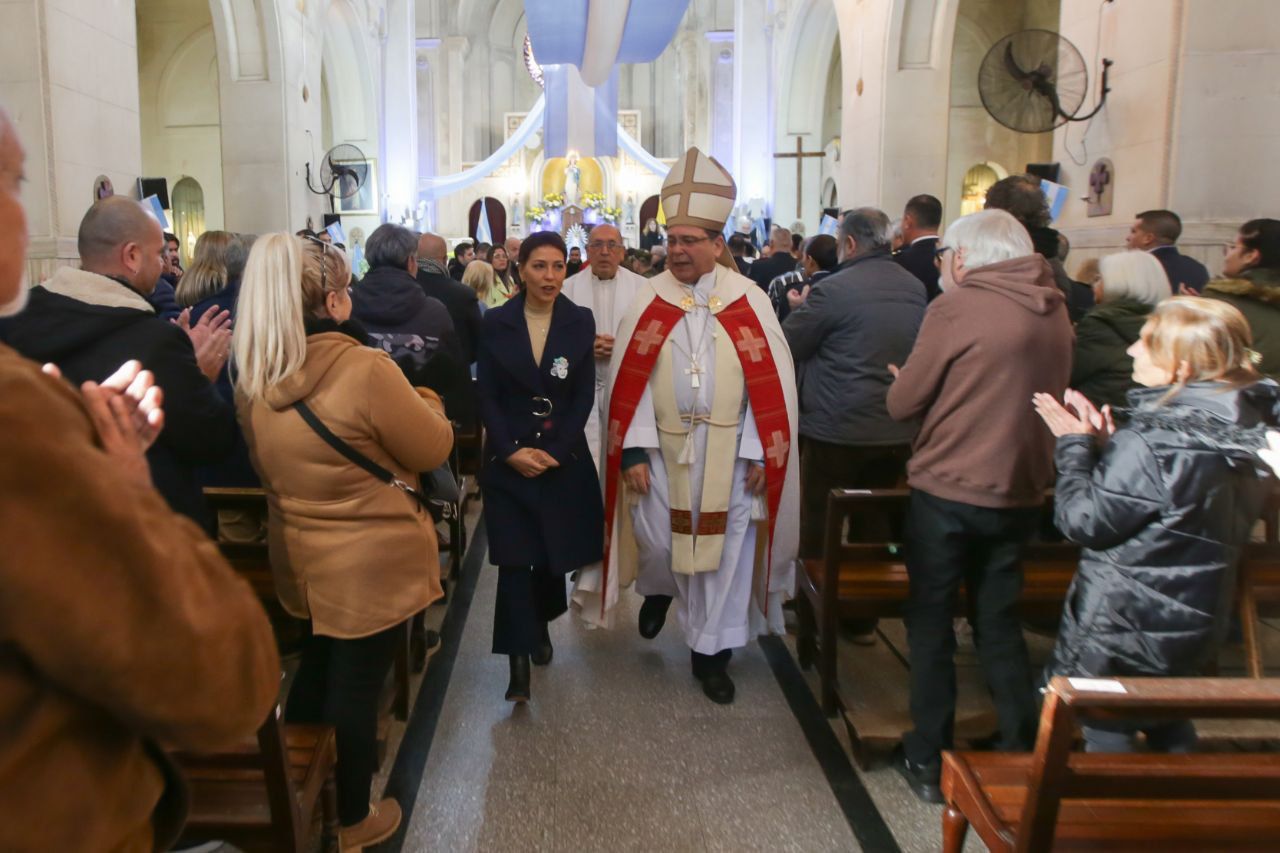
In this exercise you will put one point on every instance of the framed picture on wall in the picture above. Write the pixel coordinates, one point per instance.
(347, 198)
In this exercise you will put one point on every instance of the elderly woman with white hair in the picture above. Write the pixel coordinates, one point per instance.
(1130, 285)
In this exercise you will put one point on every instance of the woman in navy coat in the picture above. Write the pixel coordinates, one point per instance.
(542, 507)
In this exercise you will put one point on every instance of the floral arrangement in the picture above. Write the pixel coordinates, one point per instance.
(596, 202)
(550, 202)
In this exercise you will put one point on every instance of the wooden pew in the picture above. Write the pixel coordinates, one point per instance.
(1061, 800)
(252, 562)
(866, 580)
(266, 795)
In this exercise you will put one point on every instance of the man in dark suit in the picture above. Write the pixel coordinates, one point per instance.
(459, 299)
(1156, 231)
(463, 254)
(920, 223)
(779, 263)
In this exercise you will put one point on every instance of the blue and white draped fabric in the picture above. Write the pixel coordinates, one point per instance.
(579, 118)
(579, 44)
(484, 234)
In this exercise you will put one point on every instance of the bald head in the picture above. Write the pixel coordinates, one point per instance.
(433, 248)
(605, 251)
(119, 238)
(780, 240)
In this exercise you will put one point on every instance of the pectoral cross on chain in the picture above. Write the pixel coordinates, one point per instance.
(694, 371)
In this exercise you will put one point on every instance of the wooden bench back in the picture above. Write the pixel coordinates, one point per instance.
(1144, 777)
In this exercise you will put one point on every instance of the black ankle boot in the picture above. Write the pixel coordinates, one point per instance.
(542, 656)
(653, 615)
(518, 689)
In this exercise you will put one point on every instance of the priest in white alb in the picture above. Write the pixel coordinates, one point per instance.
(701, 477)
(607, 288)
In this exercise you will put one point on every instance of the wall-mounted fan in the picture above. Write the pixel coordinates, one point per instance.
(1035, 80)
(342, 173)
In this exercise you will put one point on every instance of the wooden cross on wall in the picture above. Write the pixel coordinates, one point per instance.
(799, 158)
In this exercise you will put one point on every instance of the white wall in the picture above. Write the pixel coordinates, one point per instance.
(1191, 124)
(76, 118)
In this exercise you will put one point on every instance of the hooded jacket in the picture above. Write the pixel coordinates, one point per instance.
(417, 332)
(122, 630)
(351, 553)
(1162, 511)
(89, 325)
(1257, 294)
(985, 347)
(1102, 369)
(862, 318)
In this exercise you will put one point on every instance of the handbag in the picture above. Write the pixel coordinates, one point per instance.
(438, 491)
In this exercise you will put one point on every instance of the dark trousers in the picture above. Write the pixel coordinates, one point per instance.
(338, 684)
(528, 598)
(950, 543)
(824, 467)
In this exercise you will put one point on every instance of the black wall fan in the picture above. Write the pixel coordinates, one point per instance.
(1032, 81)
(342, 173)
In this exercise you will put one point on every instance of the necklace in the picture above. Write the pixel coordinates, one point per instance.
(693, 308)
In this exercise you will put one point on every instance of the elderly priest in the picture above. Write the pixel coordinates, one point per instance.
(700, 463)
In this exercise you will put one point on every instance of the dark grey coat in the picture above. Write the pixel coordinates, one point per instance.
(858, 321)
(1163, 513)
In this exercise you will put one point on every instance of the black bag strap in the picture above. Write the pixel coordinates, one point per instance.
(351, 454)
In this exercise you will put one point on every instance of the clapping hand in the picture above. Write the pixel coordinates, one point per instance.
(1086, 420)
(210, 338)
(796, 298)
(126, 409)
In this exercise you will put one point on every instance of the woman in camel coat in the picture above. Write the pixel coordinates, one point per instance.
(352, 554)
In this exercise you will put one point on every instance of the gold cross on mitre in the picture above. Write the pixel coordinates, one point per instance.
(799, 158)
(698, 191)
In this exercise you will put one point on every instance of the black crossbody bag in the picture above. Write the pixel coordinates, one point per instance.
(439, 498)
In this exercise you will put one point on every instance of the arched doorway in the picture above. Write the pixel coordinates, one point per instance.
(650, 210)
(977, 180)
(497, 213)
(188, 216)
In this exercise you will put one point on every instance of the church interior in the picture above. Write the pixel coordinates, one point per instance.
(464, 119)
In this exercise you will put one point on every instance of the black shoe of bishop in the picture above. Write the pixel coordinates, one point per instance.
(518, 688)
(542, 656)
(712, 671)
(653, 615)
(922, 779)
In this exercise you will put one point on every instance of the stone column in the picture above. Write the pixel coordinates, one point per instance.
(720, 77)
(69, 79)
(399, 110)
(753, 100)
(428, 68)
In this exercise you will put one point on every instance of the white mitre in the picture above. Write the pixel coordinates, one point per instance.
(698, 192)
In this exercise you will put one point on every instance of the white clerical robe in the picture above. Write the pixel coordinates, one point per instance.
(714, 608)
(609, 302)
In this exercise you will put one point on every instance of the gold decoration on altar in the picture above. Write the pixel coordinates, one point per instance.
(553, 176)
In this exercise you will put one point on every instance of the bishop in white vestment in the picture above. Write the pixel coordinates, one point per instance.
(701, 476)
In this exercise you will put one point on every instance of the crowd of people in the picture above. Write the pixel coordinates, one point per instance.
(675, 426)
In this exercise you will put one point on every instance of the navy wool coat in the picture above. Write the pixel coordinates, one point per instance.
(556, 519)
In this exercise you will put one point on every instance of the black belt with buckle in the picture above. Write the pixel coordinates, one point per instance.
(538, 404)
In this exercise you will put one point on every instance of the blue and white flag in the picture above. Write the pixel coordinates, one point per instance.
(578, 117)
(337, 233)
(829, 225)
(484, 234)
(152, 203)
(1056, 196)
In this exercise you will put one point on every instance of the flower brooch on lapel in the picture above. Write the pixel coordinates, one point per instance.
(560, 368)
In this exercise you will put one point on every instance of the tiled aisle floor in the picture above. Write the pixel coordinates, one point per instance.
(619, 750)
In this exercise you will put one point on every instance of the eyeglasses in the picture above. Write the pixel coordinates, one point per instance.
(938, 254)
(608, 246)
(687, 242)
